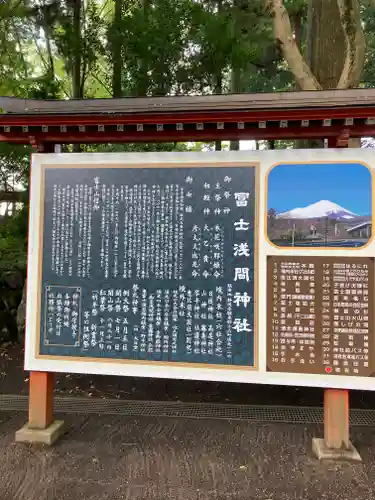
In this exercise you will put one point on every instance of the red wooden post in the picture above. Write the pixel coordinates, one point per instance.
(41, 428)
(336, 402)
(336, 443)
(336, 418)
(41, 383)
(41, 400)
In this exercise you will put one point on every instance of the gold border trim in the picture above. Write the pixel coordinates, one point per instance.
(366, 165)
(171, 364)
(45, 339)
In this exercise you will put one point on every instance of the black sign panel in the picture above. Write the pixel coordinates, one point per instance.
(152, 264)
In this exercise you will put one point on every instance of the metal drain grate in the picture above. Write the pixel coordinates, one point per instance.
(281, 414)
(192, 410)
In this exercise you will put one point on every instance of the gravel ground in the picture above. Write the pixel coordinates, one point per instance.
(113, 458)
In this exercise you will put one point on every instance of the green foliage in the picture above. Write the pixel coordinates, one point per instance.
(13, 242)
(159, 47)
(154, 41)
(368, 19)
(181, 46)
(13, 33)
(145, 147)
(296, 7)
(14, 166)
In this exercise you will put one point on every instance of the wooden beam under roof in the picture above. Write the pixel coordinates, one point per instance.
(227, 102)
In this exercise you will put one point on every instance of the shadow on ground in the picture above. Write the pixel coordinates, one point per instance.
(113, 458)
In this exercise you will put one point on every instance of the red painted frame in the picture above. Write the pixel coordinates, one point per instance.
(230, 119)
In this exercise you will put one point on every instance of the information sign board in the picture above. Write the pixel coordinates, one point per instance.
(250, 266)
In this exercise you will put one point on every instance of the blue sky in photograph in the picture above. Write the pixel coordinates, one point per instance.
(347, 184)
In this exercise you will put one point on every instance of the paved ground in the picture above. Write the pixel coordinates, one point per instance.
(113, 458)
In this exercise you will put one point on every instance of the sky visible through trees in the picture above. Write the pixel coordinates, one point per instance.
(60, 49)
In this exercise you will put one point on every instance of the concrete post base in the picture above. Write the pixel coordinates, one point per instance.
(46, 436)
(323, 453)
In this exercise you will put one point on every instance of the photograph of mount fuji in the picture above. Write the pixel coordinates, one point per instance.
(319, 205)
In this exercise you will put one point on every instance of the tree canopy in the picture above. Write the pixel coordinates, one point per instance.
(111, 48)
(61, 49)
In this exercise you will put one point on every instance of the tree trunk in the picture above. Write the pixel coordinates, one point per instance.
(51, 67)
(325, 49)
(236, 83)
(297, 28)
(143, 78)
(117, 50)
(336, 44)
(325, 42)
(218, 90)
(21, 317)
(77, 57)
(284, 35)
(218, 78)
(297, 25)
(77, 88)
(351, 22)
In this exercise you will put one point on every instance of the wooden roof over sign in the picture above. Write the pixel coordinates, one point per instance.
(182, 104)
(281, 115)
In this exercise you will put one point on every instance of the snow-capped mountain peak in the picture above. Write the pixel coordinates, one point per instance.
(319, 209)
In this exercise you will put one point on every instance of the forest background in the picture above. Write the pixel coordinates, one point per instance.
(62, 49)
